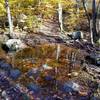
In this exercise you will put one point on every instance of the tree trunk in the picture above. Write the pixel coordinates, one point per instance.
(98, 17)
(94, 17)
(61, 27)
(9, 18)
(58, 52)
(89, 20)
(60, 16)
(98, 25)
(91, 32)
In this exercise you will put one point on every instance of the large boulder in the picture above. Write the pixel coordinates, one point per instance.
(13, 45)
(17, 43)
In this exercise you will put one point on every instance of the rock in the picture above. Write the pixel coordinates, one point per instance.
(6, 66)
(13, 45)
(75, 35)
(41, 38)
(71, 87)
(33, 72)
(49, 78)
(93, 58)
(14, 74)
(13, 93)
(4, 94)
(15, 42)
(75, 74)
(46, 67)
(33, 87)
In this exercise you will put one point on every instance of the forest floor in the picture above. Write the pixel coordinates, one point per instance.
(75, 64)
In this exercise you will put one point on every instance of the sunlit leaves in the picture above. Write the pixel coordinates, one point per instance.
(2, 8)
(45, 9)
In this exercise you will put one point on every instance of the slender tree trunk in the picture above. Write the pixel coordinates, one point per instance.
(91, 32)
(89, 20)
(98, 17)
(86, 12)
(58, 52)
(61, 31)
(9, 18)
(61, 27)
(60, 16)
(94, 17)
(98, 25)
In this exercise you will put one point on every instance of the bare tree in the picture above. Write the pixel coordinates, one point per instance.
(60, 15)
(92, 21)
(9, 17)
(61, 26)
(88, 18)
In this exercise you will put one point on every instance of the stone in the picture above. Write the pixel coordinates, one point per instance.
(46, 67)
(77, 35)
(13, 45)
